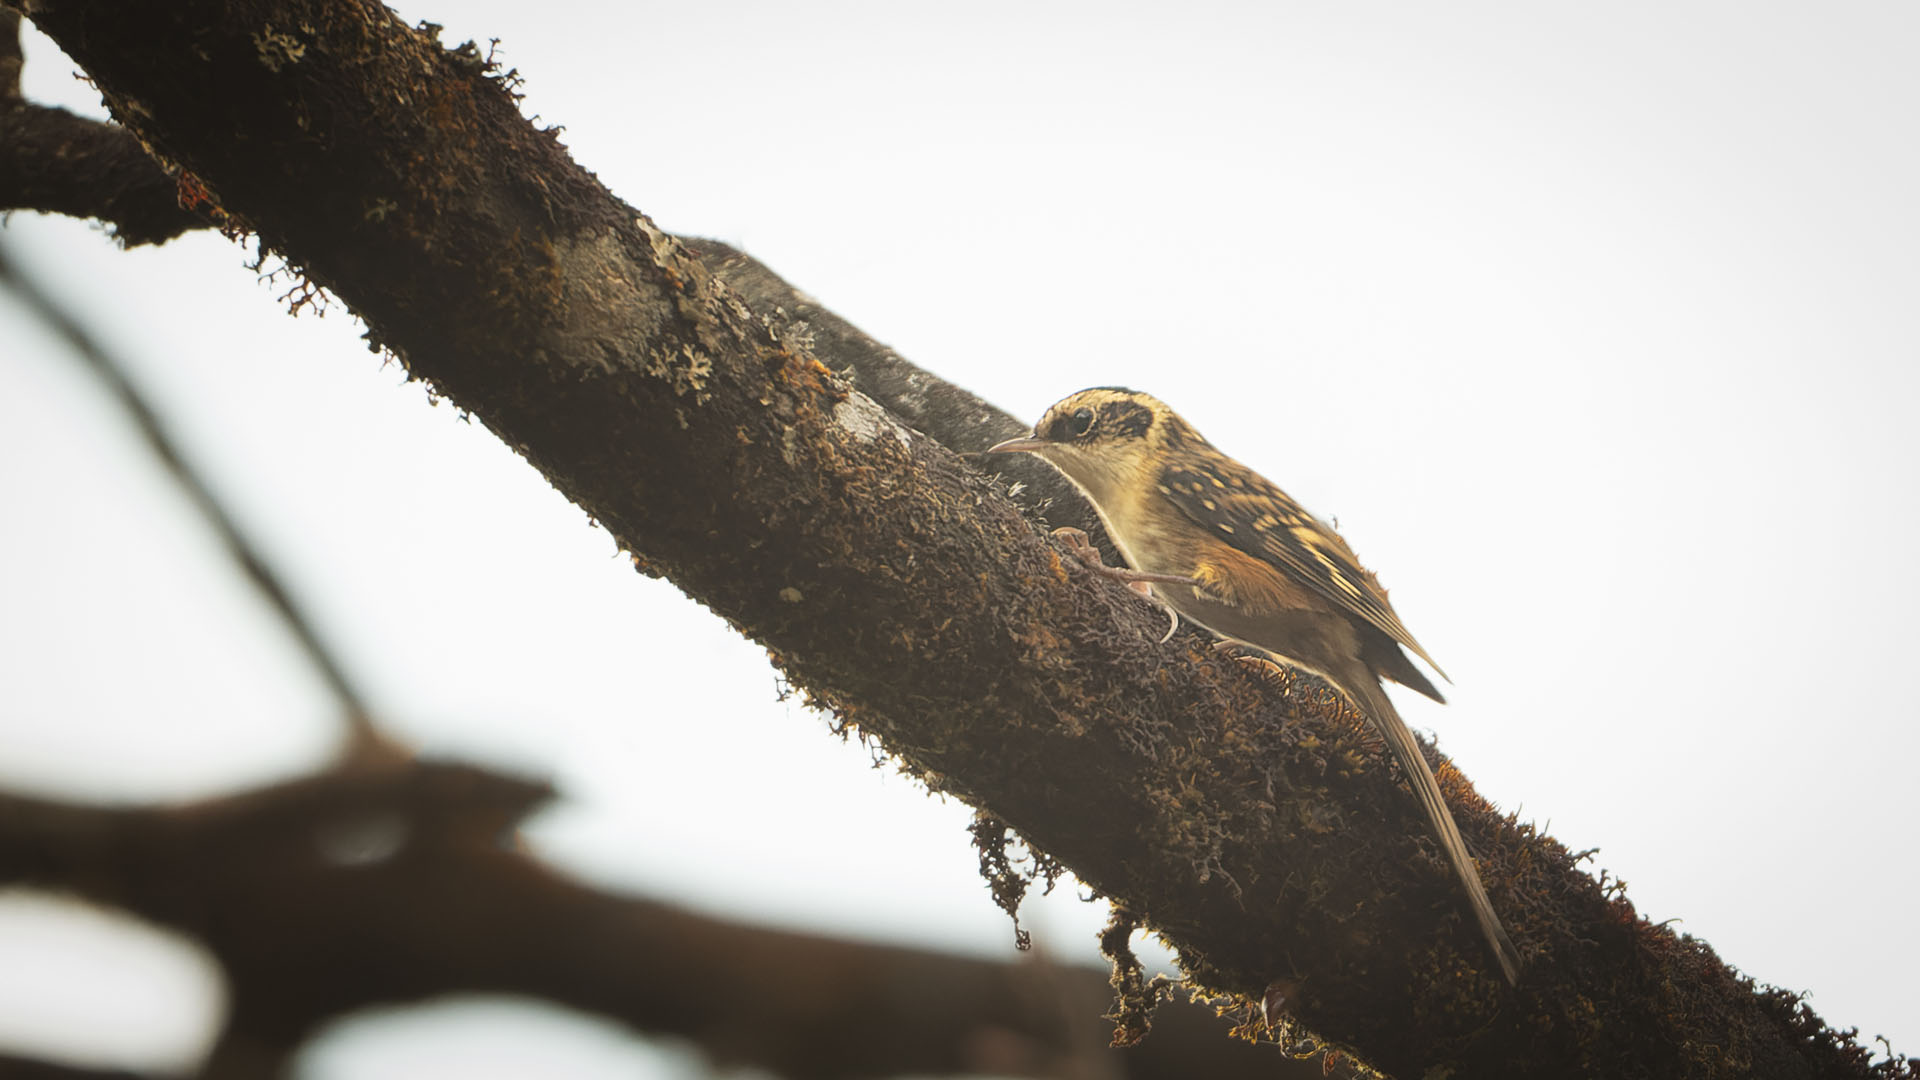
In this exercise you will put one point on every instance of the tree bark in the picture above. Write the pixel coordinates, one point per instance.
(1255, 824)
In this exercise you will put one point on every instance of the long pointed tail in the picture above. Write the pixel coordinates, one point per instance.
(1372, 698)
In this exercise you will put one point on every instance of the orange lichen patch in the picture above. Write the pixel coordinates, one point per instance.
(195, 195)
(803, 373)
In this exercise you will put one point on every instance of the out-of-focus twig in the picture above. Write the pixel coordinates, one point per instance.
(252, 563)
(387, 882)
(26, 1068)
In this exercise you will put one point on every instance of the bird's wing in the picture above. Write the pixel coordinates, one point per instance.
(1249, 512)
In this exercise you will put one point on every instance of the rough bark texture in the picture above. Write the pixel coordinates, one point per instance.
(1257, 826)
(55, 161)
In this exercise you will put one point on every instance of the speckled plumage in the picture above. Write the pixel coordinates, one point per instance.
(1229, 550)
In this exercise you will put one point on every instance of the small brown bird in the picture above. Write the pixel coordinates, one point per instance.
(1230, 551)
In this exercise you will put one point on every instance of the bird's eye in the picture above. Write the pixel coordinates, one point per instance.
(1080, 422)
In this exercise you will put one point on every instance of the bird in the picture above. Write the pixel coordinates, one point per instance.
(1225, 548)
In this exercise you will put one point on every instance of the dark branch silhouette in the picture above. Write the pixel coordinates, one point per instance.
(386, 881)
(54, 161)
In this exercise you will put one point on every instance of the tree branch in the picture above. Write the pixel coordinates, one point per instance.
(20, 1068)
(1256, 826)
(54, 161)
(386, 881)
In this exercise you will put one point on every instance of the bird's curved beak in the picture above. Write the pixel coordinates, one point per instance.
(1025, 445)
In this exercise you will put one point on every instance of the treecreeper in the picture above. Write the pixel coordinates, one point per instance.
(1228, 550)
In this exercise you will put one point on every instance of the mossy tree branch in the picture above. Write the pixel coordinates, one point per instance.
(52, 160)
(1255, 825)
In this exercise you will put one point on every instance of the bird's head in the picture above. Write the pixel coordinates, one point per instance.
(1107, 440)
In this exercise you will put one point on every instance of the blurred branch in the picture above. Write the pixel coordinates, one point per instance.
(113, 375)
(387, 882)
(1255, 826)
(20, 1068)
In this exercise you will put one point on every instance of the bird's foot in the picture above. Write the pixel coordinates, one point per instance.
(1258, 662)
(1082, 549)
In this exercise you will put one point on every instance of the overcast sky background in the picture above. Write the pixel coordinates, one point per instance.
(1596, 329)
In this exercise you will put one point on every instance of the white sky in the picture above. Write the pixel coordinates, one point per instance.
(1595, 329)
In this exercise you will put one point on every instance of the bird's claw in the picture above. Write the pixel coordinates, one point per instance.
(1081, 548)
(1260, 663)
